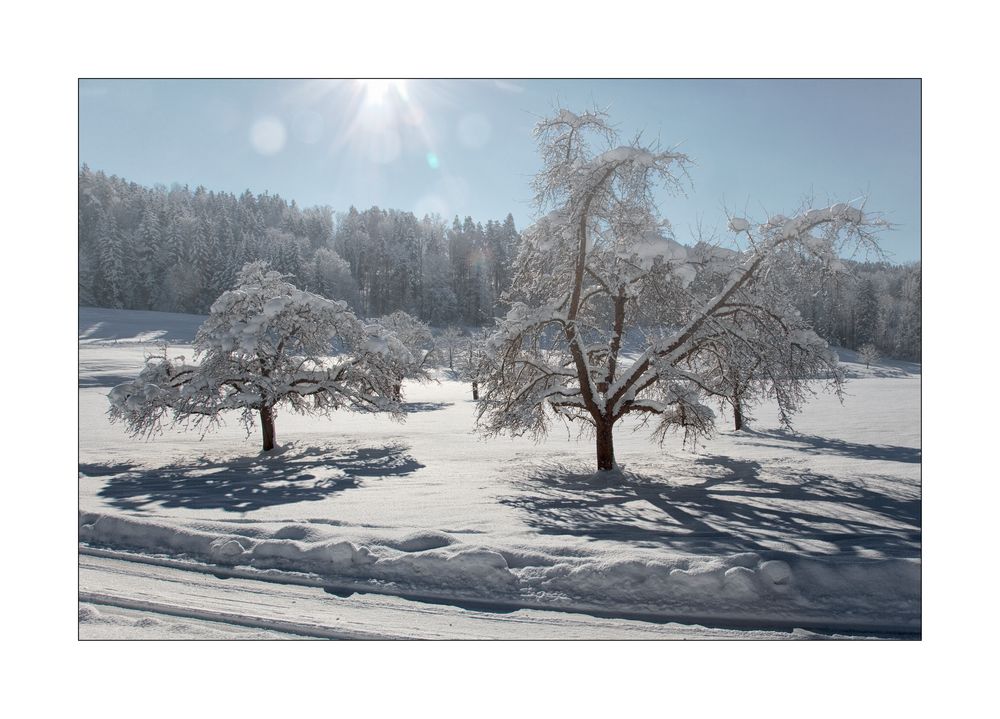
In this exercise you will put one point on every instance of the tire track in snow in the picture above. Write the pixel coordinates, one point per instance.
(310, 611)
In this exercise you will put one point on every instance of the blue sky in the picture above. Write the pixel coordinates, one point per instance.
(465, 146)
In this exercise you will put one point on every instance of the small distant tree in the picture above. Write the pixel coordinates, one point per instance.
(265, 344)
(450, 342)
(869, 354)
(760, 366)
(474, 356)
(419, 353)
(602, 265)
(735, 385)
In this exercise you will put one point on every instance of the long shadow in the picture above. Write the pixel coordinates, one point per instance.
(106, 470)
(425, 406)
(727, 505)
(105, 379)
(813, 444)
(474, 605)
(901, 370)
(244, 485)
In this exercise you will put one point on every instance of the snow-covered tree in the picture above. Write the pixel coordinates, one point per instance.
(764, 364)
(735, 384)
(601, 269)
(149, 248)
(866, 313)
(265, 344)
(112, 263)
(417, 341)
(331, 277)
(449, 341)
(869, 354)
(474, 357)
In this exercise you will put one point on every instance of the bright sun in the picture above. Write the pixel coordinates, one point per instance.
(379, 91)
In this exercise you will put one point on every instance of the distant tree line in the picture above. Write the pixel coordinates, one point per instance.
(873, 303)
(176, 250)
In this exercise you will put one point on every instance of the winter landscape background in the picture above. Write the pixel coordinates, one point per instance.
(361, 526)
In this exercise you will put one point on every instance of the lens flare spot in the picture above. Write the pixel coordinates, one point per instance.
(432, 161)
(268, 135)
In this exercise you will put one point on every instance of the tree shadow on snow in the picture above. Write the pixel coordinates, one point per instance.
(105, 373)
(725, 505)
(246, 484)
(105, 470)
(472, 605)
(425, 406)
(814, 444)
(105, 379)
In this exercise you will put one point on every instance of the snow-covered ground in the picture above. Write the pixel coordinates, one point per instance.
(110, 622)
(761, 528)
(171, 599)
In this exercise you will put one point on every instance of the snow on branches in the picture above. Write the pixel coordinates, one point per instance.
(611, 316)
(265, 343)
(417, 352)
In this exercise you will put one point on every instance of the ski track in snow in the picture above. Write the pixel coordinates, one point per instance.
(765, 525)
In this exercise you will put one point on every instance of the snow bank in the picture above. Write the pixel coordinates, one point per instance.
(853, 593)
(748, 585)
(472, 568)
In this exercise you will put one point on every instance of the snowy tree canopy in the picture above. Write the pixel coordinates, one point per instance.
(611, 316)
(266, 343)
(416, 354)
(869, 354)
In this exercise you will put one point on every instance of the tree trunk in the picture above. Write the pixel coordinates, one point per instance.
(737, 414)
(397, 391)
(267, 427)
(475, 390)
(605, 447)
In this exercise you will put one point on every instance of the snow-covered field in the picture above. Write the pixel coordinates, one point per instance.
(760, 529)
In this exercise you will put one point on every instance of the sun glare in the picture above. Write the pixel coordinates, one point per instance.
(379, 91)
(379, 122)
